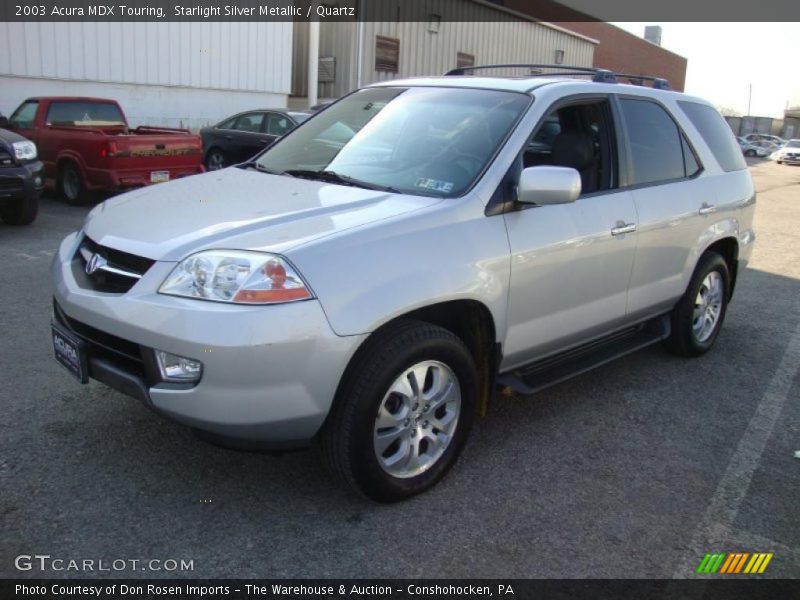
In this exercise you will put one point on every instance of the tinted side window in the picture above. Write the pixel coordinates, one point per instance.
(250, 122)
(716, 133)
(227, 124)
(278, 124)
(654, 140)
(23, 117)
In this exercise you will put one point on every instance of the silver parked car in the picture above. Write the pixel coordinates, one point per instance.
(371, 277)
(788, 154)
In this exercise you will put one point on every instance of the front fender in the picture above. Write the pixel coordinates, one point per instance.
(369, 276)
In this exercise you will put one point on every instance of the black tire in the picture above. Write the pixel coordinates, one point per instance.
(750, 153)
(683, 339)
(216, 159)
(20, 212)
(71, 185)
(347, 437)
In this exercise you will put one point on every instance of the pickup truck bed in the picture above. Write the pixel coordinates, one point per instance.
(86, 145)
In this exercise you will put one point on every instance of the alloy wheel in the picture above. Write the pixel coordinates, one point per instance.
(416, 419)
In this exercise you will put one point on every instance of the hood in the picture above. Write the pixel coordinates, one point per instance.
(10, 137)
(237, 209)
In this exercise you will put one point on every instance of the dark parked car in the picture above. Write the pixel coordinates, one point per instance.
(242, 136)
(21, 178)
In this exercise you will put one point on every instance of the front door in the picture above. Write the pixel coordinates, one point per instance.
(570, 263)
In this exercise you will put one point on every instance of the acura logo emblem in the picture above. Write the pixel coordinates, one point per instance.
(95, 262)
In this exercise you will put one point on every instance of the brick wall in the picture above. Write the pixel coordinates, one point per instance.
(618, 50)
(624, 52)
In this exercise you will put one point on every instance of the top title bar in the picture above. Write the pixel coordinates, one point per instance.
(397, 10)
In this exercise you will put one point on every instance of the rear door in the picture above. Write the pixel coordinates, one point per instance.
(247, 137)
(570, 263)
(671, 198)
(278, 125)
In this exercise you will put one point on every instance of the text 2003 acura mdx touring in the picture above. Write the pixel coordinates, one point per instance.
(369, 278)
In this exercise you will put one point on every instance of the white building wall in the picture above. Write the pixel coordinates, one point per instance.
(186, 74)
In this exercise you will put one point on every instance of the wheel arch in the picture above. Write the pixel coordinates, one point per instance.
(70, 157)
(470, 320)
(728, 248)
(210, 149)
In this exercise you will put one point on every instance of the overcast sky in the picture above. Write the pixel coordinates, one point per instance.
(725, 58)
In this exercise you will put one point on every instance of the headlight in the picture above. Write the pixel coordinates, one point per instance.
(24, 150)
(236, 276)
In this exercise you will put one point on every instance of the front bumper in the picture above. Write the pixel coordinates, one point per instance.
(21, 181)
(269, 373)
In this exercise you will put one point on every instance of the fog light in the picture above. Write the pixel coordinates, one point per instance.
(177, 368)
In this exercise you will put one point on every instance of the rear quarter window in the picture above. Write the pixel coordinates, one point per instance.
(716, 133)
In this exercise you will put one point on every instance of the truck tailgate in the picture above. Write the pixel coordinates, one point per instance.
(155, 151)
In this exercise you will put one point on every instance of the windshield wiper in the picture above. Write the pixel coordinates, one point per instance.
(334, 177)
(254, 164)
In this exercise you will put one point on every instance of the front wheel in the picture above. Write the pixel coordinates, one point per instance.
(404, 413)
(698, 316)
(215, 160)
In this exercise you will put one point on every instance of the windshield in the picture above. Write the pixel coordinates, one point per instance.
(428, 141)
(85, 114)
(793, 144)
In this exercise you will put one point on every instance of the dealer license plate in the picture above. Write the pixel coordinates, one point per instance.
(70, 353)
(159, 176)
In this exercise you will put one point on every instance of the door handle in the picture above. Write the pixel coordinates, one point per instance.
(622, 228)
(707, 209)
(228, 137)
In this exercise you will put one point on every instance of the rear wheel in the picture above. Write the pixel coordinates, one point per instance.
(403, 416)
(750, 153)
(216, 160)
(698, 316)
(70, 184)
(20, 212)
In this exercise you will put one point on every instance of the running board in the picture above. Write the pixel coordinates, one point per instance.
(549, 371)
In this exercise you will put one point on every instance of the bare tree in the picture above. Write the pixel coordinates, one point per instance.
(726, 111)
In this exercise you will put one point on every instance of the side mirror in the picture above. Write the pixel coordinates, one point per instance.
(3, 121)
(549, 185)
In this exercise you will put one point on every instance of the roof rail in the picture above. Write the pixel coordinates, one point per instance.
(659, 83)
(598, 75)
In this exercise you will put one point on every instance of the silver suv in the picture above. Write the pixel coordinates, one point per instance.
(369, 279)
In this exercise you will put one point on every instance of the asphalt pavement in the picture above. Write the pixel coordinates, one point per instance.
(634, 470)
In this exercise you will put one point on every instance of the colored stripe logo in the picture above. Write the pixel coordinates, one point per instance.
(734, 563)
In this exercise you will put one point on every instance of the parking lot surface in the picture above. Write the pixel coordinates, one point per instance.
(636, 469)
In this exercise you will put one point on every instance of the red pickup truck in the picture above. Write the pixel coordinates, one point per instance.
(86, 145)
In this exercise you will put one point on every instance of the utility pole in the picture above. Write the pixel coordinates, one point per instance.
(749, 99)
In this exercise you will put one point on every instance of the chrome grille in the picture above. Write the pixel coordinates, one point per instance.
(109, 270)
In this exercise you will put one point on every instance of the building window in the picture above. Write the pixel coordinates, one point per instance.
(387, 54)
(465, 60)
(559, 57)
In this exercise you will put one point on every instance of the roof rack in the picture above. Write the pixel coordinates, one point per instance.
(598, 75)
(659, 83)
